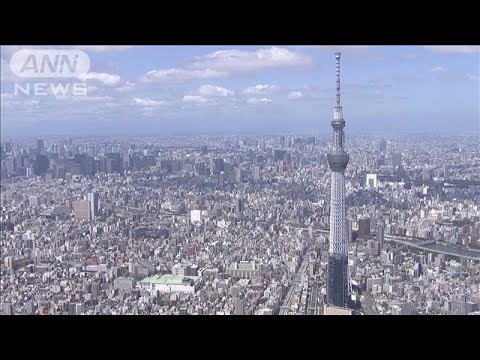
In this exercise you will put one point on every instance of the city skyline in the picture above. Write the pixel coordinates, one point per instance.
(236, 225)
(124, 207)
(235, 89)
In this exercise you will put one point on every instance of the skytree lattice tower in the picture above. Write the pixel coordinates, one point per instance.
(337, 274)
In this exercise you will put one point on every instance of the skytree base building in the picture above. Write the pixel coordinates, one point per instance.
(337, 274)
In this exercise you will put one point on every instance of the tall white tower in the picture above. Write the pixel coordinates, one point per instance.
(337, 277)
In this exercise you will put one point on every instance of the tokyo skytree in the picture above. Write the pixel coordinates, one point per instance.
(337, 274)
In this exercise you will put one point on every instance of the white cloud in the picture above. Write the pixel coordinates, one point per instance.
(293, 95)
(128, 86)
(195, 99)
(10, 100)
(454, 49)
(104, 78)
(439, 69)
(18, 102)
(212, 90)
(258, 100)
(148, 102)
(471, 77)
(87, 98)
(241, 60)
(261, 89)
(223, 63)
(103, 48)
(181, 75)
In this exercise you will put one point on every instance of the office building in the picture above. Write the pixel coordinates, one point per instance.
(92, 198)
(372, 182)
(336, 310)
(364, 228)
(40, 145)
(380, 236)
(81, 209)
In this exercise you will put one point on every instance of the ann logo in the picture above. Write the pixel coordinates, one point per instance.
(58, 65)
(48, 63)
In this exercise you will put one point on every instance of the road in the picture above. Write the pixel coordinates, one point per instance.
(286, 309)
(314, 299)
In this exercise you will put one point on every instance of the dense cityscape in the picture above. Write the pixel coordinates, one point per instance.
(218, 222)
(236, 224)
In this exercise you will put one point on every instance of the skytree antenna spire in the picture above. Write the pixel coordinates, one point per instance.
(337, 57)
(338, 275)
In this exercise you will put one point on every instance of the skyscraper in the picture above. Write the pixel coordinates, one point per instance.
(218, 166)
(81, 208)
(92, 198)
(41, 164)
(238, 206)
(364, 228)
(40, 145)
(337, 277)
(380, 233)
(239, 307)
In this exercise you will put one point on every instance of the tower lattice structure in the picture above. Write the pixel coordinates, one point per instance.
(338, 274)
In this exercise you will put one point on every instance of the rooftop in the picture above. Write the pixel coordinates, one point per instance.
(168, 279)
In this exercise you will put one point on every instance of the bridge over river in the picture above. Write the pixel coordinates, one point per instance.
(436, 247)
(432, 246)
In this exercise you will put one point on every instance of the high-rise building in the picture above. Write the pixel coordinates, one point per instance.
(364, 228)
(29, 308)
(114, 162)
(7, 309)
(349, 230)
(40, 145)
(446, 172)
(238, 206)
(382, 146)
(256, 172)
(426, 175)
(372, 181)
(221, 178)
(380, 233)
(337, 274)
(95, 289)
(279, 155)
(41, 164)
(92, 198)
(81, 208)
(239, 307)
(10, 166)
(196, 216)
(397, 159)
(218, 166)
(336, 310)
(126, 160)
(238, 175)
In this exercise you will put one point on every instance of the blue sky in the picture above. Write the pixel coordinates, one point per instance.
(266, 89)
